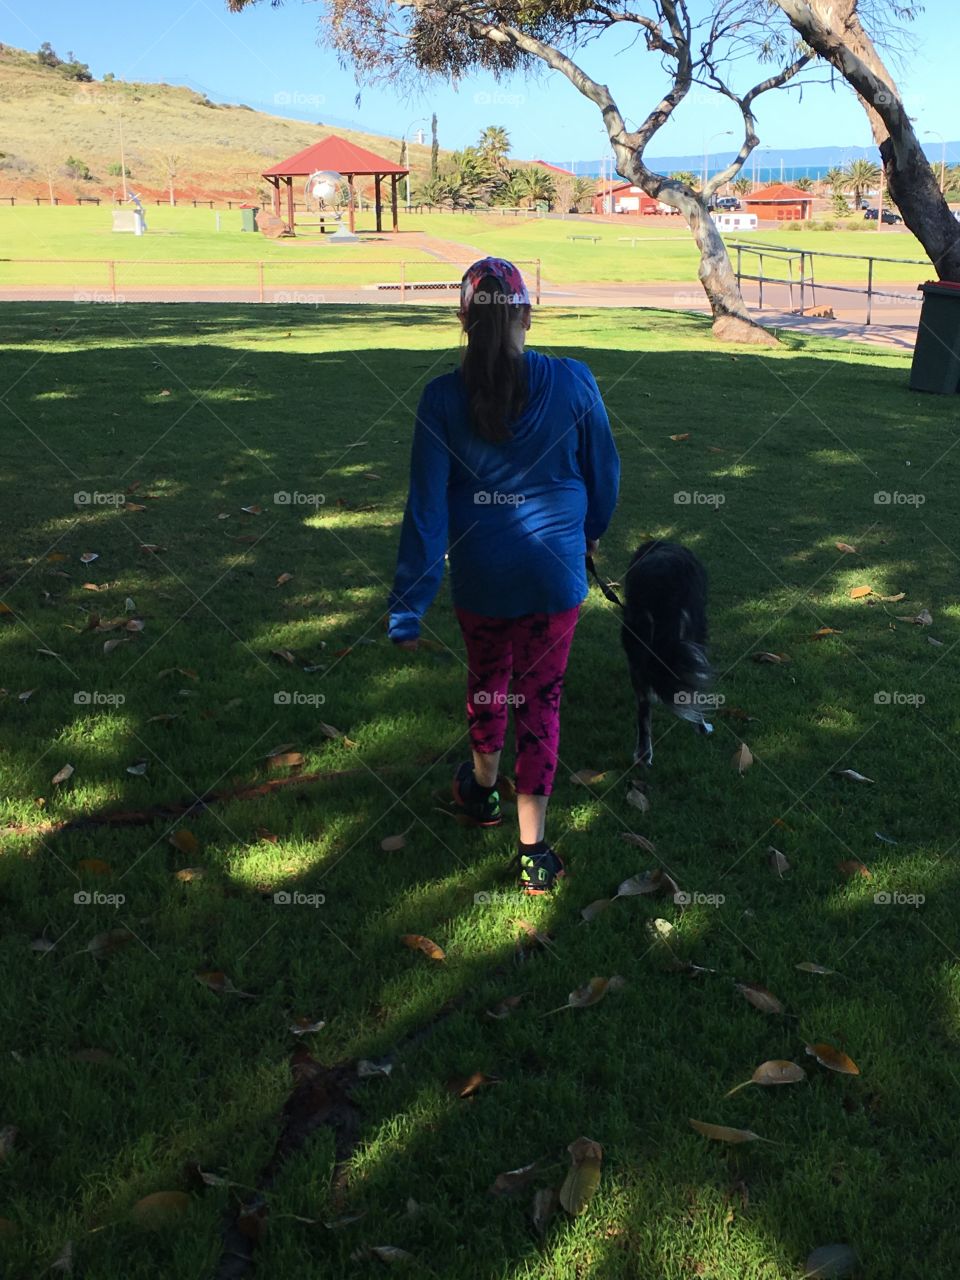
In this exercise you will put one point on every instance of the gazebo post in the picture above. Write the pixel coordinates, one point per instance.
(290, 203)
(350, 203)
(276, 195)
(376, 199)
(393, 201)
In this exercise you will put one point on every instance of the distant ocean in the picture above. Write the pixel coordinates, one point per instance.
(765, 165)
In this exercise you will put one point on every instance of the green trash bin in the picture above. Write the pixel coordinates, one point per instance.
(248, 217)
(936, 357)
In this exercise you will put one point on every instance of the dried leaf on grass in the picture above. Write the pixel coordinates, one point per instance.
(583, 1178)
(778, 861)
(417, 942)
(773, 1072)
(759, 997)
(218, 981)
(742, 758)
(832, 1058)
(591, 993)
(722, 1133)
(160, 1210)
(830, 1262)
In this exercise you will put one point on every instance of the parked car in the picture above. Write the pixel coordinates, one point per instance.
(888, 215)
(727, 203)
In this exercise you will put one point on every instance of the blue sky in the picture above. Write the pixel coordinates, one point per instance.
(269, 59)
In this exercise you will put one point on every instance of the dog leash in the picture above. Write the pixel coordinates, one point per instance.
(605, 587)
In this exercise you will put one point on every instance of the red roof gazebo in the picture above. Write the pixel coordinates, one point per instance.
(336, 155)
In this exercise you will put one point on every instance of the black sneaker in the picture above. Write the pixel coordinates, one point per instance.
(539, 872)
(481, 810)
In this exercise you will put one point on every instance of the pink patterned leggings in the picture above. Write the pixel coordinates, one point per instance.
(518, 662)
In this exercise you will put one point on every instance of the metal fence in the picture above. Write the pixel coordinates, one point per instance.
(805, 281)
(320, 280)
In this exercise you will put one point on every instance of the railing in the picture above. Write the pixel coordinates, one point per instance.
(413, 275)
(806, 279)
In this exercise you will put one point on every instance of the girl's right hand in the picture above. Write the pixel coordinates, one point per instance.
(593, 546)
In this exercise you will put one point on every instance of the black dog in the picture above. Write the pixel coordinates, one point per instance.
(664, 635)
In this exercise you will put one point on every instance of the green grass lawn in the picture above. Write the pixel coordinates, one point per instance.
(662, 254)
(120, 1068)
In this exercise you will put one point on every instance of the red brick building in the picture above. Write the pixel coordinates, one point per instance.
(780, 203)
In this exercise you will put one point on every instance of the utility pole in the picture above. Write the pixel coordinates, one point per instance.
(123, 163)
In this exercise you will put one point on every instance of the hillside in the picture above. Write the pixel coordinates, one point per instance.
(220, 150)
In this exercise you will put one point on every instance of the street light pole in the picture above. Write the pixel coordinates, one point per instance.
(406, 148)
(943, 155)
(706, 155)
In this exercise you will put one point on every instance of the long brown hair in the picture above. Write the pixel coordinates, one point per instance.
(493, 369)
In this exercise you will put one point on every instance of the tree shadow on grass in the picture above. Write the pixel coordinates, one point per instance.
(626, 1073)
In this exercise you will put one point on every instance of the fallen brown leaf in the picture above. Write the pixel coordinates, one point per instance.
(417, 942)
(834, 1059)
(742, 758)
(721, 1133)
(583, 1178)
(775, 1071)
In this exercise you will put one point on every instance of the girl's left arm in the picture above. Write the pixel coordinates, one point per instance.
(423, 538)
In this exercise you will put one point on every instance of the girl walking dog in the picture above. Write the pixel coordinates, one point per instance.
(514, 474)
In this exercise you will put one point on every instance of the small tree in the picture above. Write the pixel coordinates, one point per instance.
(839, 202)
(170, 165)
(46, 55)
(742, 186)
(74, 69)
(78, 169)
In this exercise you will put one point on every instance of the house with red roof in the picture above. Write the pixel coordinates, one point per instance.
(780, 203)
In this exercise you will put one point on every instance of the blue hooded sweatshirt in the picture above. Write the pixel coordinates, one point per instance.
(515, 516)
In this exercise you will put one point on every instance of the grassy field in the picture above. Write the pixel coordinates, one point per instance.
(123, 1072)
(661, 254)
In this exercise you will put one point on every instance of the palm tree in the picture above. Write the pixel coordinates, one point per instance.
(539, 186)
(861, 175)
(582, 189)
(513, 192)
(804, 184)
(494, 145)
(691, 179)
(743, 186)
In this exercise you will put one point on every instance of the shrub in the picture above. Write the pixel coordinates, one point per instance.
(46, 55)
(116, 170)
(78, 169)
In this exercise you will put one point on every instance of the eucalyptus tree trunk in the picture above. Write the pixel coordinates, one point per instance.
(834, 30)
(731, 320)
